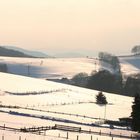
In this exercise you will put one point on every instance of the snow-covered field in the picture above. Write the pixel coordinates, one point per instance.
(58, 104)
(133, 60)
(45, 103)
(50, 67)
(130, 65)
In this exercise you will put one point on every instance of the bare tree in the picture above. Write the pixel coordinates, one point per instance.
(136, 50)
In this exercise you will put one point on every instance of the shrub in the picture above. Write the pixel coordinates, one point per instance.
(101, 99)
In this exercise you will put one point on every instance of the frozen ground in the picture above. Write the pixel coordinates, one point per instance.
(130, 65)
(52, 68)
(133, 60)
(52, 136)
(58, 104)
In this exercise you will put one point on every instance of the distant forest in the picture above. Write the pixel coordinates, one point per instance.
(104, 80)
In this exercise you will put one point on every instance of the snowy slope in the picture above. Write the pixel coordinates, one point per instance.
(28, 52)
(133, 60)
(130, 65)
(50, 67)
(60, 103)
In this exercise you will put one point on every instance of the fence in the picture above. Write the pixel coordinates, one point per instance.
(43, 129)
(59, 136)
(53, 112)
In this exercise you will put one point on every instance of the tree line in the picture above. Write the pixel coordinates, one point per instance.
(104, 80)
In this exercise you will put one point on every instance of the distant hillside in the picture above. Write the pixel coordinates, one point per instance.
(28, 52)
(69, 55)
(134, 60)
(12, 53)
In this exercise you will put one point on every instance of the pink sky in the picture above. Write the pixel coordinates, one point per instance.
(71, 25)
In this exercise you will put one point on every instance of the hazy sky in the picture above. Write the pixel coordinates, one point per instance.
(71, 25)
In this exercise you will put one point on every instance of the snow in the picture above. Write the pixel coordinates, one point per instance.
(133, 60)
(60, 101)
(57, 68)
(128, 68)
(48, 68)
(53, 68)
(52, 136)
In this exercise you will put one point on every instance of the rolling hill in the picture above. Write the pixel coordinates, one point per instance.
(12, 53)
(29, 52)
(56, 103)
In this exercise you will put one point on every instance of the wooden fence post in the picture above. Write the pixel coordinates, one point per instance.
(100, 132)
(4, 127)
(67, 135)
(131, 136)
(3, 137)
(91, 137)
(77, 137)
(44, 133)
(89, 130)
(19, 137)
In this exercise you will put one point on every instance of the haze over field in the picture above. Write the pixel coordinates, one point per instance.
(57, 26)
